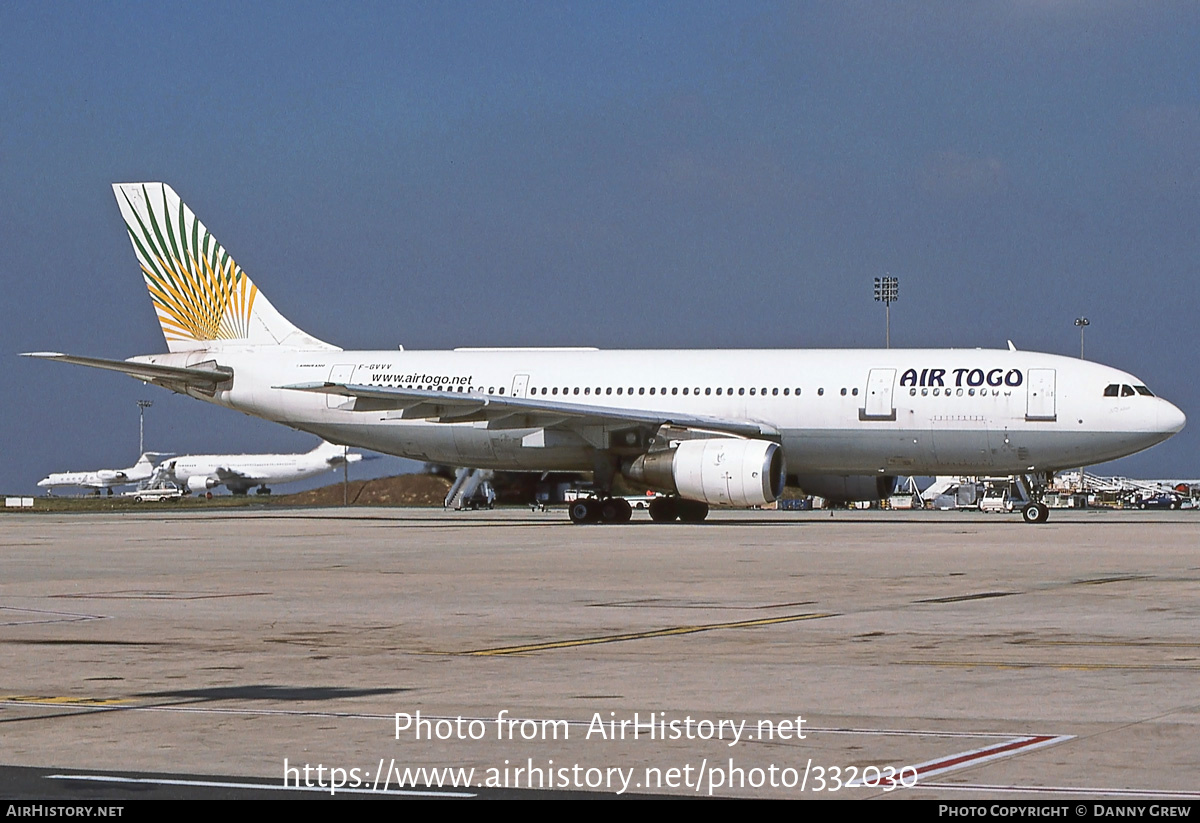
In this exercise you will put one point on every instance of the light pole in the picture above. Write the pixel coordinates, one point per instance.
(142, 406)
(887, 291)
(1082, 323)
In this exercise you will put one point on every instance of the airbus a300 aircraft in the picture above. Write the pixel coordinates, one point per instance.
(104, 478)
(241, 472)
(709, 428)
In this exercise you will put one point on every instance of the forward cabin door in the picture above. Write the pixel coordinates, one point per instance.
(1040, 404)
(879, 401)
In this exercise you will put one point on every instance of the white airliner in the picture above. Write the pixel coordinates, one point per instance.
(105, 478)
(241, 472)
(709, 428)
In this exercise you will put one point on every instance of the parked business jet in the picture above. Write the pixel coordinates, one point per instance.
(709, 428)
(241, 472)
(105, 478)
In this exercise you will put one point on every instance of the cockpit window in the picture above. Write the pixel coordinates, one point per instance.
(1144, 391)
(1112, 390)
(1127, 391)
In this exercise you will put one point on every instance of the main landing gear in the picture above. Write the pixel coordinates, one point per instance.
(668, 509)
(618, 510)
(600, 510)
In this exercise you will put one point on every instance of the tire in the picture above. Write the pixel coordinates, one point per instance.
(139, 499)
(692, 511)
(663, 510)
(615, 510)
(1036, 513)
(583, 511)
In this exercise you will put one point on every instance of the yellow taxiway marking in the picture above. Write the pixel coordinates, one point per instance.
(1021, 664)
(667, 632)
(62, 701)
(1133, 644)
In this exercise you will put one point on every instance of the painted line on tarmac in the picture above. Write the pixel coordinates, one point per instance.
(66, 700)
(219, 784)
(45, 616)
(1122, 644)
(963, 760)
(127, 704)
(1150, 794)
(1029, 664)
(620, 638)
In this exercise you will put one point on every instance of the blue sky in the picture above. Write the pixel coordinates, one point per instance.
(621, 175)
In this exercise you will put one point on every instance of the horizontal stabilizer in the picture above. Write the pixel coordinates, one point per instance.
(202, 377)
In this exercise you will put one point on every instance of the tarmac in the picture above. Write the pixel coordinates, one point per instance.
(760, 654)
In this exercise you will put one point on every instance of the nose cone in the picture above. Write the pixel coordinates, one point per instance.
(1170, 419)
(44, 482)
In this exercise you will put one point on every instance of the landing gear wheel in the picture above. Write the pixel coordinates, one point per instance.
(1036, 513)
(692, 511)
(615, 510)
(663, 509)
(585, 510)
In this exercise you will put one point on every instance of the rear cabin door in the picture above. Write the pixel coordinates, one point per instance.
(340, 374)
(520, 385)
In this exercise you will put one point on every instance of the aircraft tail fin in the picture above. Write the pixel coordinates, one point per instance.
(203, 299)
(334, 455)
(150, 460)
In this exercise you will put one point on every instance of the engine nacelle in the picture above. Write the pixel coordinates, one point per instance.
(200, 483)
(720, 471)
(842, 488)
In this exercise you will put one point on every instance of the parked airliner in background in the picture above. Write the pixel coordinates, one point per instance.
(241, 472)
(709, 428)
(105, 478)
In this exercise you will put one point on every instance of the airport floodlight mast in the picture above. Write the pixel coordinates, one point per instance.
(887, 291)
(1082, 323)
(142, 406)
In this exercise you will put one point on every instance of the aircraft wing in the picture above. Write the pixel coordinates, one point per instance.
(227, 476)
(520, 412)
(203, 376)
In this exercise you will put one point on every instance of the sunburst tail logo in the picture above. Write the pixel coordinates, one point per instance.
(201, 296)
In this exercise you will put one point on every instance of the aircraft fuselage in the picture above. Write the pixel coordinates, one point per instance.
(851, 411)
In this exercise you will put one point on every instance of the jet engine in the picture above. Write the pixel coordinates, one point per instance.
(843, 488)
(720, 471)
(200, 483)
